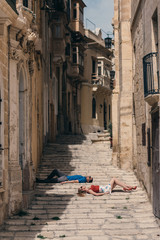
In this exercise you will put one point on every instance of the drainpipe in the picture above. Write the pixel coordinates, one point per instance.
(8, 104)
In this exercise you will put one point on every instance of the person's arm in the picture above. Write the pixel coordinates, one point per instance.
(94, 193)
(72, 181)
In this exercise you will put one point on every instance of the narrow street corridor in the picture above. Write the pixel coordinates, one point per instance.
(57, 212)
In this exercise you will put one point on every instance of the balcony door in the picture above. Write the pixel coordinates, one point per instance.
(155, 164)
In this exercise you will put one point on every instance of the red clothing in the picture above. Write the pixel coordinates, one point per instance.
(95, 188)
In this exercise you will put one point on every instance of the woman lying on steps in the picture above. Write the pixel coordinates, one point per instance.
(97, 190)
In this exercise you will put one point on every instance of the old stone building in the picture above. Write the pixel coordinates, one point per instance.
(21, 105)
(96, 90)
(43, 85)
(136, 96)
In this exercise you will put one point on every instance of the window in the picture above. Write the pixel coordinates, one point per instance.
(93, 108)
(99, 71)
(81, 14)
(143, 134)
(74, 54)
(155, 31)
(81, 59)
(25, 3)
(93, 66)
(77, 56)
(75, 13)
(67, 50)
(58, 31)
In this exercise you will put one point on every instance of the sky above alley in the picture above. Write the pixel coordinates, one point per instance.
(99, 14)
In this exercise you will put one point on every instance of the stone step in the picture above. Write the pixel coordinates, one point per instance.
(58, 212)
(103, 135)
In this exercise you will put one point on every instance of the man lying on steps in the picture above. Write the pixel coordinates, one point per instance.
(63, 178)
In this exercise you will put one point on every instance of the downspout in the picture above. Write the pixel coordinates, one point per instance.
(9, 49)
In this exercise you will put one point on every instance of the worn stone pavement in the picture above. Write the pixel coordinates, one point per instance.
(58, 213)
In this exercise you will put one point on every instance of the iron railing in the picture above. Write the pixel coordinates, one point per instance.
(151, 74)
(102, 81)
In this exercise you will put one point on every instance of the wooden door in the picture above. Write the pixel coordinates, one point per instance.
(155, 164)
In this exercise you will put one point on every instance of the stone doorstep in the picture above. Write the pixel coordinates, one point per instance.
(99, 140)
(103, 135)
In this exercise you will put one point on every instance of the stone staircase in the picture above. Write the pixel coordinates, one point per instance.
(58, 213)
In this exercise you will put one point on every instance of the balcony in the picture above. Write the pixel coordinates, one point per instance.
(75, 72)
(53, 6)
(151, 78)
(101, 82)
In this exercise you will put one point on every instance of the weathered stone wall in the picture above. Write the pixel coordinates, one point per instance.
(122, 95)
(142, 40)
(4, 118)
(20, 66)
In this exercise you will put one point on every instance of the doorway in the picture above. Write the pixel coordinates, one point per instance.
(105, 115)
(155, 164)
(21, 120)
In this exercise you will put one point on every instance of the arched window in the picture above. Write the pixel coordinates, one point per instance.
(93, 108)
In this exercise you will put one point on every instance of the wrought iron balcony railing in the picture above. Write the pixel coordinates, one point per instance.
(102, 81)
(151, 74)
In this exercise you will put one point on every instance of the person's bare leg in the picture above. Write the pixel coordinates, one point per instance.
(114, 182)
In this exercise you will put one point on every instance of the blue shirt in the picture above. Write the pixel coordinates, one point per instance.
(80, 178)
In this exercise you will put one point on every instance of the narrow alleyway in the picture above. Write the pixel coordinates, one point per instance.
(57, 212)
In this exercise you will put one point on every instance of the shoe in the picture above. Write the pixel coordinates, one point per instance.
(130, 189)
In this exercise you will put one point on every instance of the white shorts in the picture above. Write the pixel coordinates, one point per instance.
(105, 189)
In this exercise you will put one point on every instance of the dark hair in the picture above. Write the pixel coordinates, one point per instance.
(90, 179)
